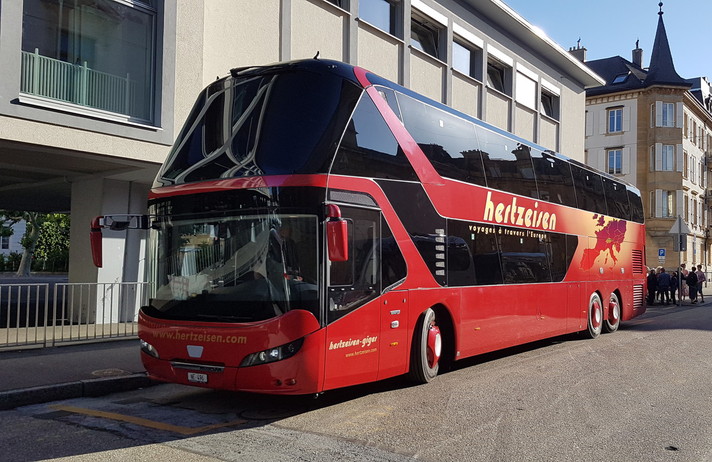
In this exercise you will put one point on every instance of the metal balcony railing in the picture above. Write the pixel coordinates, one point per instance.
(79, 84)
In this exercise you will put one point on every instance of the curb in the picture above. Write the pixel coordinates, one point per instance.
(81, 389)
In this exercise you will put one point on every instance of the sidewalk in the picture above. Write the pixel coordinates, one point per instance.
(39, 375)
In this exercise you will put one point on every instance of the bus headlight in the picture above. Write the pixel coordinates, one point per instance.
(273, 354)
(148, 348)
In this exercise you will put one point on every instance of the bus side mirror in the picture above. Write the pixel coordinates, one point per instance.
(337, 234)
(95, 241)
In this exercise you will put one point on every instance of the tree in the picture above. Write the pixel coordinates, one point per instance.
(52, 249)
(34, 226)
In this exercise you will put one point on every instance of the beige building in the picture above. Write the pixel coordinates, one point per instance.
(654, 129)
(92, 93)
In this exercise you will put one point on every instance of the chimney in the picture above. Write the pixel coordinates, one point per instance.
(578, 52)
(638, 55)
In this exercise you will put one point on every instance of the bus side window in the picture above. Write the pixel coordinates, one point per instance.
(553, 178)
(524, 258)
(356, 281)
(508, 164)
(589, 190)
(369, 149)
(448, 141)
(616, 199)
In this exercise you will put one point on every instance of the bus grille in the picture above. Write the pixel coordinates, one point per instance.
(638, 296)
(638, 262)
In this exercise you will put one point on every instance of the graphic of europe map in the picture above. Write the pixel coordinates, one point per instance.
(609, 238)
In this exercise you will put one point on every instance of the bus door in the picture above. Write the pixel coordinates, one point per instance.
(353, 311)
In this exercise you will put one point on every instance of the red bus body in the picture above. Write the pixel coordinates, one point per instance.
(426, 316)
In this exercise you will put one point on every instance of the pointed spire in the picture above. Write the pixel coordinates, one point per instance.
(662, 69)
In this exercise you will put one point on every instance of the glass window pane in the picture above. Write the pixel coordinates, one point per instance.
(448, 141)
(380, 13)
(508, 164)
(589, 190)
(462, 59)
(98, 54)
(553, 178)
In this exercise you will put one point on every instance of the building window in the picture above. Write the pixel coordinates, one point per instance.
(549, 104)
(615, 120)
(425, 35)
(526, 91)
(499, 76)
(661, 203)
(668, 158)
(98, 54)
(467, 59)
(380, 13)
(615, 161)
(4, 242)
(662, 158)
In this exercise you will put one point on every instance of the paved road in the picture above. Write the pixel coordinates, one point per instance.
(641, 394)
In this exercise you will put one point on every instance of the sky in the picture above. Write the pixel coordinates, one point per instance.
(611, 27)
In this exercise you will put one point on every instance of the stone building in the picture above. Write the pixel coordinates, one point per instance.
(653, 128)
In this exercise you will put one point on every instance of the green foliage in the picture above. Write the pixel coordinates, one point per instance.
(52, 248)
(46, 241)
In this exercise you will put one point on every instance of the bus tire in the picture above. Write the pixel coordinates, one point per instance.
(426, 349)
(613, 321)
(595, 316)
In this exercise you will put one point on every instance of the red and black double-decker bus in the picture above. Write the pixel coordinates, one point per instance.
(317, 226)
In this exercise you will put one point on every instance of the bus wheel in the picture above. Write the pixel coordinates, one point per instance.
(427, 347)
(595, 316)
(614, 314)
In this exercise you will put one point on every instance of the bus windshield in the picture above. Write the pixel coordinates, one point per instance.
(266, 122)
(234, 268)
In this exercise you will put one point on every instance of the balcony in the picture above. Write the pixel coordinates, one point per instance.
(79, 84)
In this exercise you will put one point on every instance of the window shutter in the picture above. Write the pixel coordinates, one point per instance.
(658, 157)
(602, 122)
(679, 202)
(589, 123)
(680, 158)
(626, 119)
(626, 161)
(658, 113)
(679, 111)
(602, 160)
(658, 203)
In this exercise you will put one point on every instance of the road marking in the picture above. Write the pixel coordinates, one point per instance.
(187, 431)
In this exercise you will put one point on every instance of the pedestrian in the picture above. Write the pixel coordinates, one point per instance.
(674, 282)
(700, 279)
(692, 285)
(652, 287)
(664, 286)
(684, 292)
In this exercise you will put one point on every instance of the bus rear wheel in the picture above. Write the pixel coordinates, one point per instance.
(595, 316)
(614, 314)
(427, 348)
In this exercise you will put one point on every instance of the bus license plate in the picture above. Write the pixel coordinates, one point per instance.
(197, 378)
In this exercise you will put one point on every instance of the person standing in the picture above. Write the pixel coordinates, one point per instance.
(652, 287)
(700, 279)
(664, 286)
(692, 285)
(674, 282)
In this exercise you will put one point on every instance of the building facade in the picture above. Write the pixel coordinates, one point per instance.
(92, 93)
(654, 129)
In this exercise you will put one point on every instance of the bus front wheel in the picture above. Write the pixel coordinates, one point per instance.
(595, 316)
(427, 348)
(614, 314)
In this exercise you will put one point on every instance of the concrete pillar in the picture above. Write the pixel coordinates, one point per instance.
(123, 252)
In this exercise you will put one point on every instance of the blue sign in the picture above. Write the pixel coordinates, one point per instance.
(661, 252)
